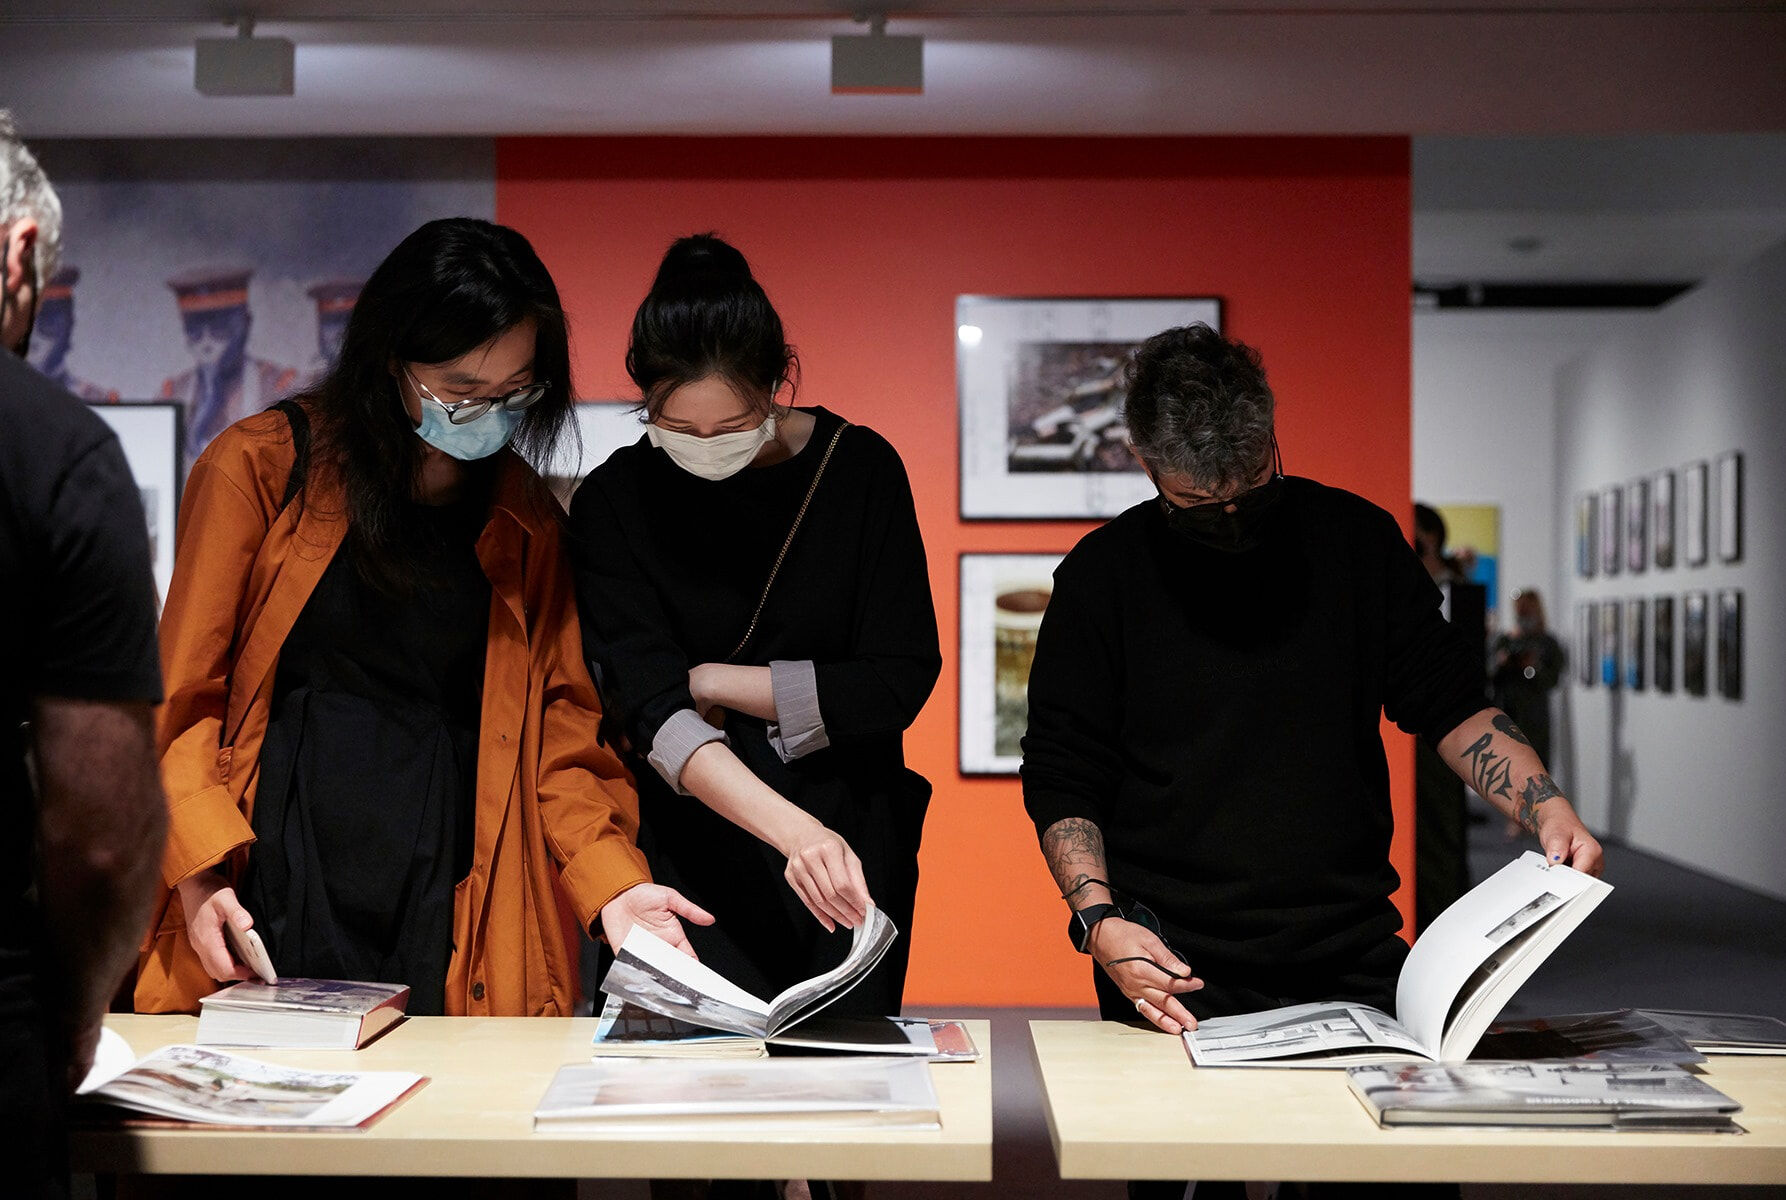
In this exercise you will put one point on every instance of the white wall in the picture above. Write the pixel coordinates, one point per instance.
(1484, 421)
(1701, 780)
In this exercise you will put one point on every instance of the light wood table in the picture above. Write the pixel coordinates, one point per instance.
(475, 1118)
(1126, 1103)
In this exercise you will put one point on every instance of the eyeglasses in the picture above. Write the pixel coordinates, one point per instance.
(464, 412)
(1241, 501)
(1131, 909)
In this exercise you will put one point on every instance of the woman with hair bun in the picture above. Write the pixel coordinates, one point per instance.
(379, 741)
(756, 601)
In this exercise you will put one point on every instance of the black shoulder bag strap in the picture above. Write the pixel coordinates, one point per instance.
(787, 544)
(300, 443)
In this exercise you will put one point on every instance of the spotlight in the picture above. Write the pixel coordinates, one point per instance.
(244, 65)
(877, 63)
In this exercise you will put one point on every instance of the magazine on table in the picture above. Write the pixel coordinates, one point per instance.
(1723, 1033)
(1459, 975)
(627, 1031)
(331, 1014)
(652, 974)
(1599, 1095)
(210, 1087)
(1624, 1035)
(635, 1096)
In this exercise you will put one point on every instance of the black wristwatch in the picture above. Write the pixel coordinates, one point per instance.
(1081, 921)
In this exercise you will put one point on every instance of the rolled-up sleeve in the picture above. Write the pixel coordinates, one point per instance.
(799, 727)
(676, 742)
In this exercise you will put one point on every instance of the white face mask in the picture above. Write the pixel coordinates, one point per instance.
(717, 457)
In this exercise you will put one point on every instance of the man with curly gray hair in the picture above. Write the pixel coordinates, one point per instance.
(1204, 764)
(80, 848)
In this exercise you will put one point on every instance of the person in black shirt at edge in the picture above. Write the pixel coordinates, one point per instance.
(773, 786)
(1204, 752)
(79, 678)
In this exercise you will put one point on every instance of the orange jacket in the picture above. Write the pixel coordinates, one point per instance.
(546, 789)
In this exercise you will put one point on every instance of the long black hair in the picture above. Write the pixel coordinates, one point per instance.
(706, 315)
(447, 288)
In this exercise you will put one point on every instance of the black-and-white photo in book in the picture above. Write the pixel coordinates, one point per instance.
(210, 1087)
(651, 973)
(1459, 975)
(627, 1031)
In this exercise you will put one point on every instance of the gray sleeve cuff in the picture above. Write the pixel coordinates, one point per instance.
(798, 729)
(676, 742)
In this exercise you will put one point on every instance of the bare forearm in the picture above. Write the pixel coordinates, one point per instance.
(1074, 849)
(102, 824)
(1492, 754)
(720, 781)
(748, 690)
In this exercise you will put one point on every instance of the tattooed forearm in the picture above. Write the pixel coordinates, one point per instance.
(1538, 789)
(1074, 849)
(1491, 774)
(1505, 724)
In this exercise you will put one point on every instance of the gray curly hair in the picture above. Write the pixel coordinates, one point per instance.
(1198, 406)
(25, 191)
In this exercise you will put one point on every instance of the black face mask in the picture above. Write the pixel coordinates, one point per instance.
(1236, 532)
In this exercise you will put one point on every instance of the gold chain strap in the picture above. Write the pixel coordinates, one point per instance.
(788, 543)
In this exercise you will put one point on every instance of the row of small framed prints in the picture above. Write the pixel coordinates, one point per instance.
(1630, 643)
(1632, 526)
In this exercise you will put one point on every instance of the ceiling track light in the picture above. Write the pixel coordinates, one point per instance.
(877, 63)
(244, 65)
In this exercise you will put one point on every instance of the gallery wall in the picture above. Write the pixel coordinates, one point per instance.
(1698, 779)
(864, 246)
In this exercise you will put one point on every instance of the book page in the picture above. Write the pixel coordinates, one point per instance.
(651, 973)
(1306, 1030)
(192, 1083)
(1485, 945)
(868, 945)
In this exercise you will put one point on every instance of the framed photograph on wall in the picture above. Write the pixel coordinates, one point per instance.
(1636, 645)
(1586, 663)
(1730, 506)
(1610, 674)
(1003, 597)
(1662, 518)
(1693, 645)
(1693, 532)
(1587, 533)
(1612, 531)
(1637, 516)
(1040, 386)
(152, 433)
(1730, 643)
(1662, 657)
(602, 427)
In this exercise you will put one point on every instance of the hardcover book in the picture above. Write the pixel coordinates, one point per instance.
(300, 1014)
(1594, 1095)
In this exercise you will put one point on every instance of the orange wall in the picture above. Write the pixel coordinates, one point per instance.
(863, 245)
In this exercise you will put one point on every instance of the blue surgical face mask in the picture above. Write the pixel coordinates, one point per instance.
(478, 438)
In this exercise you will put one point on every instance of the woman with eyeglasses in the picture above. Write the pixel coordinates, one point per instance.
(755, 594)
(378, 744)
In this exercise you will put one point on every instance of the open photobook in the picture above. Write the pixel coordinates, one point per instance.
(1457, 978)
(627, 1031)
(1598, 1095)
(652, 974)
(636, 1097)
(209, 1087)
(1623, 1035)
(1723, 1033)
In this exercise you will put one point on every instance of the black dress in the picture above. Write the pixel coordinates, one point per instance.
(669, 568)
(363, 818)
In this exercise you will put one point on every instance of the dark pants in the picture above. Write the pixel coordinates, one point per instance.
(33, 1111)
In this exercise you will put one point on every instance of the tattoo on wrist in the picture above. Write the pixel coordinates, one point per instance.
(1538, 789)
(1491, 774)
(1505, 724)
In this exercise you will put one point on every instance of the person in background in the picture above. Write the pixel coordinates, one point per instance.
(334, 300)
(84, 819)
(53, 338)
(755, 594)
(1527, 665)
(379, 742)
(1441, 810)
(1204, 763)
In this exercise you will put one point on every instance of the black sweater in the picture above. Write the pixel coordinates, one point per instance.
(1218, 717)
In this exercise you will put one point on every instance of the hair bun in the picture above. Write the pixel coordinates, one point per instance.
(702, 262)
